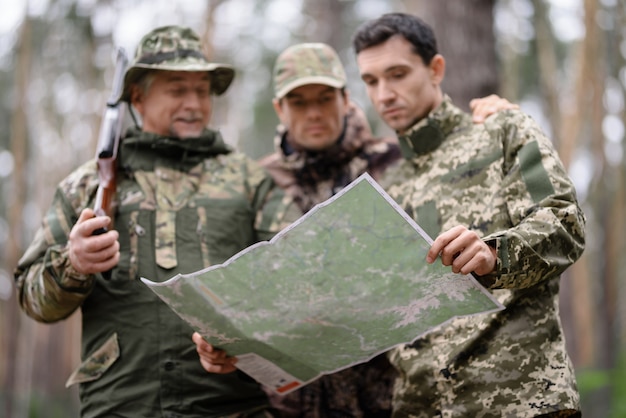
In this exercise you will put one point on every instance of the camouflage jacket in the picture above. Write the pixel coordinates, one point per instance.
(504, 180)
(310, 178)
(183, 205)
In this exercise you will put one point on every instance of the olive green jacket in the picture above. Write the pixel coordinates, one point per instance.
(182, 206)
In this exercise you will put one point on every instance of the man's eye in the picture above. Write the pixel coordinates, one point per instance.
(370, 82)
(177, 92)
(398, 74)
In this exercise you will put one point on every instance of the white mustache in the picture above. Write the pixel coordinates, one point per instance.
(192, 117)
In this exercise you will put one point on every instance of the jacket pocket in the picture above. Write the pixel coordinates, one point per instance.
(97, 363)
(225, 227)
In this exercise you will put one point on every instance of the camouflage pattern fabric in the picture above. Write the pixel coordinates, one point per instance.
(308, 178)
(307, 63)
(174, 48)
(362, 391)
(505, 181)
(97, 363)
(151, 368)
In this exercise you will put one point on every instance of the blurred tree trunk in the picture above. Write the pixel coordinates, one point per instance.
(607, 195)
(582, 123)
(620, 63)
(590, 289)
(325, 22)
(209, 29)
(223, 116)
(464, 31)
(614, 186)
(19, 141)
(576, 292)
(41, 356)
(549, 75)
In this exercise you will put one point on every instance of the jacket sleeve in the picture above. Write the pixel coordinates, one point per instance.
(547, 235)
(48, 288)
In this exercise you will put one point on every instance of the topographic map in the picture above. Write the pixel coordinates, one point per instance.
(344, 283)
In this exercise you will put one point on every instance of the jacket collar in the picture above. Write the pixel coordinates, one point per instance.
(140, 149)
(430, 132)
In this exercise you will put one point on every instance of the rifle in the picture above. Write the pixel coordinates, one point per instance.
(108, 142)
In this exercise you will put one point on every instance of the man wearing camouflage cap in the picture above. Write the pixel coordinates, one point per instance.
(185, 201)
(501, 206)
(323, 143)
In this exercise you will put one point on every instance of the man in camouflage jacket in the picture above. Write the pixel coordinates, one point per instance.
(185, 202)
(323, 143)
(501, 206)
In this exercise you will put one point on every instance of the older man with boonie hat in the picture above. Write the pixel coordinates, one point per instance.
(171, 59)
(185, 201)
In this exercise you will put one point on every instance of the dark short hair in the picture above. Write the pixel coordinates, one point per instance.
(412, 28)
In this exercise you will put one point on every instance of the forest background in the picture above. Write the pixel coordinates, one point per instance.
(563, 61)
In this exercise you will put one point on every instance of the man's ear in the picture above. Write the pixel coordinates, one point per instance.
(437, 69)
(136, 98)
(346, 97)
(278, 109)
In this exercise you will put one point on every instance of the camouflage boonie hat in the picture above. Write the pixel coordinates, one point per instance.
(174, 48)
(308, 63)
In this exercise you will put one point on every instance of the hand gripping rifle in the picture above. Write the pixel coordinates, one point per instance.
(108, 143)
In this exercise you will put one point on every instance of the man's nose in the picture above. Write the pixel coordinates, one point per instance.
(314, 108)
(191, 100)
(384, 92)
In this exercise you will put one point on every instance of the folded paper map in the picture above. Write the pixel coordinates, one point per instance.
(346, 282)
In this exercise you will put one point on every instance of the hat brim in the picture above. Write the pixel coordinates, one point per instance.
(222, 75)
(303, 81)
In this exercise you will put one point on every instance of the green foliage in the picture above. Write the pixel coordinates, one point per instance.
(41, 406)
(38, 405)
(619, 388)
(592, 382)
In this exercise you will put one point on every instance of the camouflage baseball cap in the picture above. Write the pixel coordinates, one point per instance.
(174, 48)
(308, 63)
